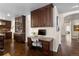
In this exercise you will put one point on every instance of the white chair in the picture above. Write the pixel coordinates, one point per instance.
(36, 42)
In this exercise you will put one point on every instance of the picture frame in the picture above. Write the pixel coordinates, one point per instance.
(76, 27)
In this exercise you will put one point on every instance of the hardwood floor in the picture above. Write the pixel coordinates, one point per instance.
(20, 49)
(69, 48)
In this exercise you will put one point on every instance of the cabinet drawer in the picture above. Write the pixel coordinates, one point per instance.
(46, 45)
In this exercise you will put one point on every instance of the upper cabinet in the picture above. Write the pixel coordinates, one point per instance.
(20, 24)
(5, 25)
(42, 17)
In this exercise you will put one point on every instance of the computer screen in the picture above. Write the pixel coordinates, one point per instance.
(41, 32)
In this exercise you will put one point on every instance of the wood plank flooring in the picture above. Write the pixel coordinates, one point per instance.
(68, 48)
(20, 49)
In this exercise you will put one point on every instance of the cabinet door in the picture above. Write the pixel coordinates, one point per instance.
(48, 16)
(40, 20)
(34, 18)
(1, 42)
(8, 35)
(8, 23)
(45, 17)
(50, 11)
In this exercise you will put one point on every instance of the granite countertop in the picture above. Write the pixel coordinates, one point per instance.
(8, 31)
(1, 34)
(17, 33)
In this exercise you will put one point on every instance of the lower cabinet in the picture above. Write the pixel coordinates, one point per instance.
(19, 38)
(46, 47)
(1, 43)
(29, 43)
(8, 35)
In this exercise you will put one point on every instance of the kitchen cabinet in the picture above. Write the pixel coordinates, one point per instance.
(1, 42)
(20, 31)
(42, 17)
(8, 35)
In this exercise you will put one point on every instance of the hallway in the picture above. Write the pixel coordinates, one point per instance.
(69, 48)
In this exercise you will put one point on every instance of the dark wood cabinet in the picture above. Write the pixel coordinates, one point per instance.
(1, 43)
(19, 37)
(5, 28)
(19, 34)
(8, 23)
(46, 47)
(29, 43)
(42, 17)
(5, 25)
(20, 24)
(8, 35)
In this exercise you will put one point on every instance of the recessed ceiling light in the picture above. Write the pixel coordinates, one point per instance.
(8, 14)
(76, 6)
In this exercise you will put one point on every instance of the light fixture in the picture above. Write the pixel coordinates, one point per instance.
(0, 23)
(76, 6)
(8, 14)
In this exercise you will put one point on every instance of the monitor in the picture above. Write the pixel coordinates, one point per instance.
(41, 32)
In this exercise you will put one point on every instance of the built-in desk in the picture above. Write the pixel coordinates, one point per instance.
(46, 43)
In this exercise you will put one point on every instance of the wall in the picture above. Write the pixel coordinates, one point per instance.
(13, 27)
(51, 31)
(62, 25)
(28, 25)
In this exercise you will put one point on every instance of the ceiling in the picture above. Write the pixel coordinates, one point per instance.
(66, 7)
(71, 17)
(16, 9)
